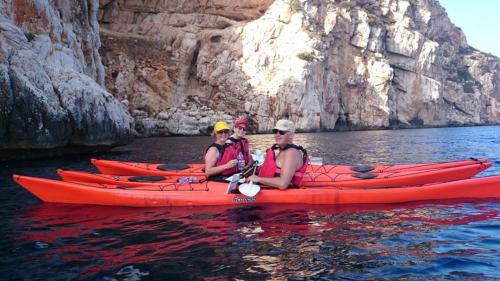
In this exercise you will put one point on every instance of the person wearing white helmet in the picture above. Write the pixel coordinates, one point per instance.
(285, 163)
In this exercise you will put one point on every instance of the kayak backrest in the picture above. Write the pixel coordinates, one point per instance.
(171, 167)
(364, 176)
(146, 178)
(362, 168)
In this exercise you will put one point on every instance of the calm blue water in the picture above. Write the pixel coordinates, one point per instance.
(448, 240)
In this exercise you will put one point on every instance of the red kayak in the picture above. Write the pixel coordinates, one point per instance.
(214, 193)
(403, 177)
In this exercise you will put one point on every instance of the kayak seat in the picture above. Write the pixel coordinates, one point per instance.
(146, 178)
(362, 168)
(364, 176)
(170, 167)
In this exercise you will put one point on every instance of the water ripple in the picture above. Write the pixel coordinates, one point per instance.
(439, 240)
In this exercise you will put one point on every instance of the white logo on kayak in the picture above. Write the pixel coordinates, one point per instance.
(243, 199)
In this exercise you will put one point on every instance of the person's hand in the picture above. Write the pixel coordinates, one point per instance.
(252, 178)
(231, 163)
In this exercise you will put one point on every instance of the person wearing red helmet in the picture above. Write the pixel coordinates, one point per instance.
(240, 143)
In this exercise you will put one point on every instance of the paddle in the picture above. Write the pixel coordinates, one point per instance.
(233, 181)
(250, 189)
(238, 178)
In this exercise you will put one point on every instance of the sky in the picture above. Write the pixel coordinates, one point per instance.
(479, 20)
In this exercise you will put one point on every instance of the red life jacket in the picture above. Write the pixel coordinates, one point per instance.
(269, 169)
(226, 154)
(241, 145)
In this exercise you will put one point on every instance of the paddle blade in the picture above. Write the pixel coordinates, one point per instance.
(233, 181)
(249, 189)
(258, 157)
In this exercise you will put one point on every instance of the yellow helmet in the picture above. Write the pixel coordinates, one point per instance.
(220, 125)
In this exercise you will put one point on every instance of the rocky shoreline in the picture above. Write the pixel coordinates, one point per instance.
(8, 155)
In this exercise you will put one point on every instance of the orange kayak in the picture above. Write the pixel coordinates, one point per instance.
(402, 177)
(214, 193)
(323, 175)
(111, 167)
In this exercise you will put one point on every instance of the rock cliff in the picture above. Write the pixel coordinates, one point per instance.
(175, 67)
(181, 65)
(51, 78)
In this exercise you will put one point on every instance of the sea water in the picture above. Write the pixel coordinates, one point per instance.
(437, 240)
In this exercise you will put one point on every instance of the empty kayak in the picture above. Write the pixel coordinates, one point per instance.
(214, 193)
(395, 178)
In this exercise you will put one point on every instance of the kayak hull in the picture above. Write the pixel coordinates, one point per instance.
(214, 193)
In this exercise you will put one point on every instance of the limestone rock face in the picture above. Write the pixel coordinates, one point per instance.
(181, 65)
(51, 76)
(176, 67)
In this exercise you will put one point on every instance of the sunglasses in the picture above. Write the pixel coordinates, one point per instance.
(223, 132)
(279, 131)
(242, 128)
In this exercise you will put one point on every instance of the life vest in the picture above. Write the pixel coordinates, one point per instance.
(241, 145)
(226, 154)
(269, 168)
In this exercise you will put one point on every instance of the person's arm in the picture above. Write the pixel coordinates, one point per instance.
(210, 160)
(250, 153)
(291, 163)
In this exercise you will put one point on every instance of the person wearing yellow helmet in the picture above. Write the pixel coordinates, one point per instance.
(220, 158)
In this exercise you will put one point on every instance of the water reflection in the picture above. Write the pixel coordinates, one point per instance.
(255, 242)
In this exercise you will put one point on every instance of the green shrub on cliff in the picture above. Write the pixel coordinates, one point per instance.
(307, 56)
